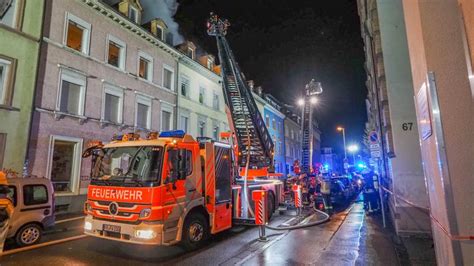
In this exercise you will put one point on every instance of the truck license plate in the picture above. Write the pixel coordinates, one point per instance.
(111, 228)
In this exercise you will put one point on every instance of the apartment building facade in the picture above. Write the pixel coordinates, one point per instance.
(103, 72)
(201, 103)
(440, 36)
(20, 31)
(391, 113)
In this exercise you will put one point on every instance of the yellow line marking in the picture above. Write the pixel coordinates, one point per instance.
(54, 242)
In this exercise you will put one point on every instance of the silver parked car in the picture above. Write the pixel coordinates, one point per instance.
(33, 199)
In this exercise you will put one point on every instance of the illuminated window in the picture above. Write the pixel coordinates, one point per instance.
(116, 53)
(145, 66)
(72, 92)
(77, 34)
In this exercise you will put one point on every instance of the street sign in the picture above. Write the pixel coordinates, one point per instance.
(373, 137)
(375, 154)
(374, 146)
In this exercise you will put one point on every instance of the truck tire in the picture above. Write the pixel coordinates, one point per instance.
(270, 205)
(29, 234)
(195, 231)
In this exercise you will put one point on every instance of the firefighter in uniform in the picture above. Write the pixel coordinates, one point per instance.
(6, 209)
(326, 192)
(371, 190)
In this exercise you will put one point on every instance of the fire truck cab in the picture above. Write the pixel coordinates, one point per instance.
(163, 190)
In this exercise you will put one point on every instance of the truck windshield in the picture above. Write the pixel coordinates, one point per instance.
(128, 166)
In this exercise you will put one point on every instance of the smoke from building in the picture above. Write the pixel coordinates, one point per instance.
(164, 9)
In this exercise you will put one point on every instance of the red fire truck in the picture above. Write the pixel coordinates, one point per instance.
(171, 188)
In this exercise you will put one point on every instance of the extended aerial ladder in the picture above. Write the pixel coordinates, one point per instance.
(254, 146)
(312, 88)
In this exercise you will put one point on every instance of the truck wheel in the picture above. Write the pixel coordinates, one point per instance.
(195, 231)
(270, 205)
(28, 235)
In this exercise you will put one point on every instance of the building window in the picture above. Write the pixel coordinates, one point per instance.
(215, 101)
(143, 112)
(168, 78)
(202, 128)
(210, 64)
(184, 123)
(267, 121)
(159, 32)
(3, 144)
(77, 34)
(190, 53)
(112, 104)
(166, 120)
(201, 95)
(71, 93)
(133, 14)
(65, 162)
(274, 124)
(116, 52)
(215, 132)
(145, 66)
(185, 86)
(7, 74)
(9, 13)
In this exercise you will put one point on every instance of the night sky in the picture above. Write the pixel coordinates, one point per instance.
(282, 45)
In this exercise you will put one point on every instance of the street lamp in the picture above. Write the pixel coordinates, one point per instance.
(301, 102)
(341, 129)
(353, 148)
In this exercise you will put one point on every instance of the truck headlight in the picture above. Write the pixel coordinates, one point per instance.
(87, 226)
(145, 213)
(145, 234)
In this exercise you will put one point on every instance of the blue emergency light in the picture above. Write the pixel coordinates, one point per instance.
(172, 134)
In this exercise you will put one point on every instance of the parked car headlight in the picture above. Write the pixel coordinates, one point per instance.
(145, 213)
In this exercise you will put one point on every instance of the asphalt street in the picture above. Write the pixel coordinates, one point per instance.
(236, 246)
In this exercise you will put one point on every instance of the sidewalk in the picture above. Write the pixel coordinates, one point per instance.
(358, 240)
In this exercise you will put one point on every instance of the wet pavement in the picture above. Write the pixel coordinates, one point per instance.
(349, 238)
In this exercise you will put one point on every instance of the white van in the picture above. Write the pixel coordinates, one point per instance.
(33, 199)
